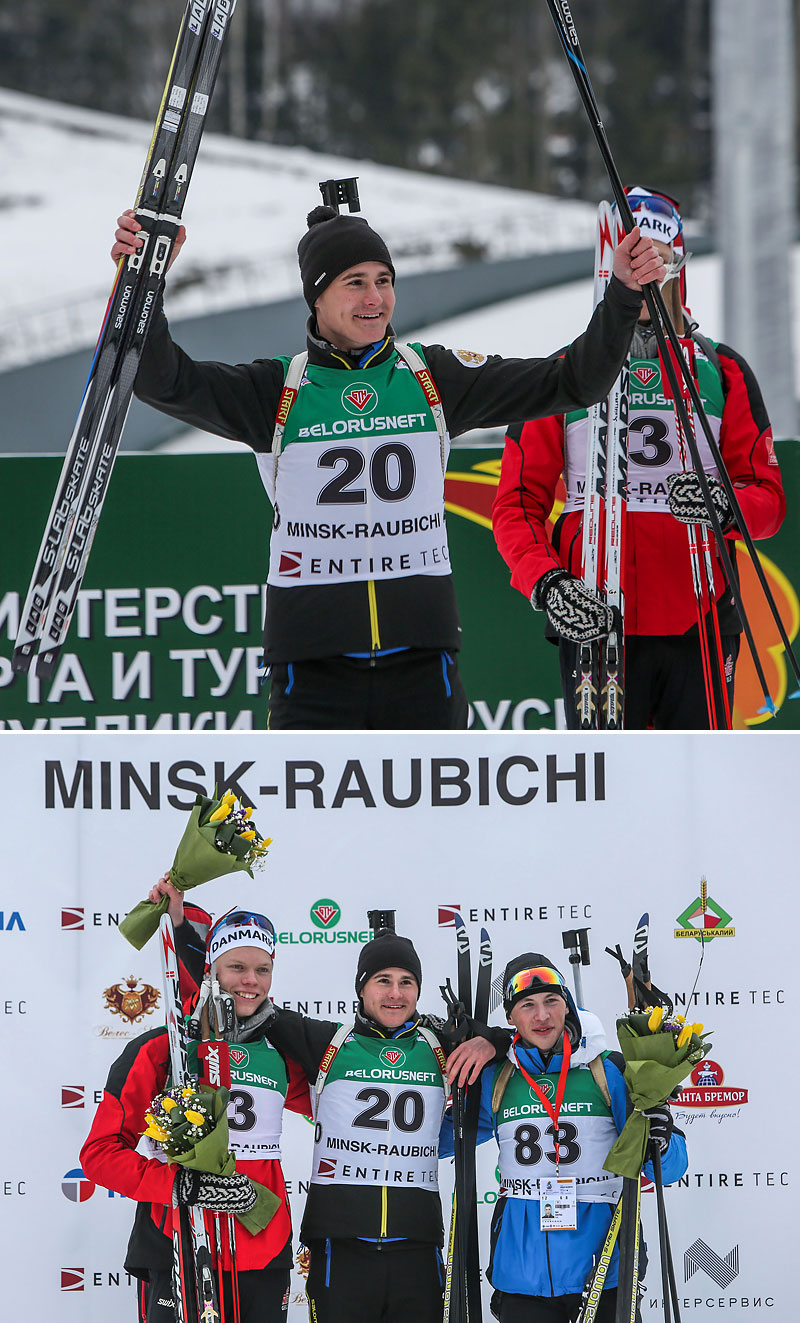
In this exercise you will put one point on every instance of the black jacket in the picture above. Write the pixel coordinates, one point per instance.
(240, 403)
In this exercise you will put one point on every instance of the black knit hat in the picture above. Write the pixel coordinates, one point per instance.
(387, 951)
(331, 245)
(535, 960)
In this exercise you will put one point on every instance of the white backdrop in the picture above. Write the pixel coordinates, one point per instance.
(530, 833)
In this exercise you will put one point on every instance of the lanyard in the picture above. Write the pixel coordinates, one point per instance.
(551, 1109)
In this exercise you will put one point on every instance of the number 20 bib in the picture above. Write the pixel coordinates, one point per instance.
(379, 1115)
(358, 489)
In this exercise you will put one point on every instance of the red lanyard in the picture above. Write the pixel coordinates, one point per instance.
(551, 1109)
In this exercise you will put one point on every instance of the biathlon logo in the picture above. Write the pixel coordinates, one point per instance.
(360, 398)
(72, 1279)
(447, 915)
(721, 1271)
(706, 1089)
(239, 1056)
(704, 918)
(72, 920)
(325, 913)
(131, 1003)
(645, 375)
(392, 1056)
(327, 1168)
(76, 1187)
(73, 1095)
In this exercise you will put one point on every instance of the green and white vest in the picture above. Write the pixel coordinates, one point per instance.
(379, 1113)
(356, 474)
(586, 1131)
(653, 445)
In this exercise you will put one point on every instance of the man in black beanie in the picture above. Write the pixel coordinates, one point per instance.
(373, 1217)
(352, 436)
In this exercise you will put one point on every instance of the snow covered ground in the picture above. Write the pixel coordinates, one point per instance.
(67, 173)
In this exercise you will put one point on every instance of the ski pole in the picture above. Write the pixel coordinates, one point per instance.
(565, 26)
(668, 1284)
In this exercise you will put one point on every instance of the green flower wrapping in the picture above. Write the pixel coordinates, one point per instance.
(654, 1066)
(205, 1147)
(207, 849)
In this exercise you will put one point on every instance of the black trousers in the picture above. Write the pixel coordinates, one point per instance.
(263, 1295)
(409, 690)
(352, 1281)
(663, 681)
(549, 1309)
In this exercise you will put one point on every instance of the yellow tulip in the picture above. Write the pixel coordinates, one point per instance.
(186, 1093)
(248, 813)
(168, 1104)
(196, 1118)
(656, 1016)
(680, 1018)
(684, 1035)
(248, 835)
(156, 1132)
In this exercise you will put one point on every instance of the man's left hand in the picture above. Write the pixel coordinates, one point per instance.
(466, 1062)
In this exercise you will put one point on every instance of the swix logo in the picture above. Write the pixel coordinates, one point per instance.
(72, 1279)
(427, 383)
(327, 1167)
(212, 1064)
(393, 1056)
(291, 564)
(73, 1095)
(14, 920)
(644, 374)
(325, 913)
(73, 919)
(447, 915)
(286, 401)
(359, 398)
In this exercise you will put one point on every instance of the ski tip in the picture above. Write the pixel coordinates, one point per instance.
(46, 664)
(22, 657)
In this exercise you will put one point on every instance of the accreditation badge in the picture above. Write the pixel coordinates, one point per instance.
(558, 1203)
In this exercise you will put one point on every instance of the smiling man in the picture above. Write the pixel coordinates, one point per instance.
(352, 437)
(555, 1107)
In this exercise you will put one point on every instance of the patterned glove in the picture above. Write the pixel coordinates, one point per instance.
(662, 1124)
(686, 500)
(219, 1194)
(574, 611)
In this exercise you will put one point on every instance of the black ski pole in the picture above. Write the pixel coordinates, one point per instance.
(668, 1283)
(565, 26)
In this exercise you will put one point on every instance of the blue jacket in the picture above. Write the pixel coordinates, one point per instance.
(526, 1260)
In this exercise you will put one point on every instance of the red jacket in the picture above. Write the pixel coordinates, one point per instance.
(659, 597)
(109, 1158)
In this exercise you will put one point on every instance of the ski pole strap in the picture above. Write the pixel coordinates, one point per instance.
(412, 360)
(455, 1026)
(344, 1031)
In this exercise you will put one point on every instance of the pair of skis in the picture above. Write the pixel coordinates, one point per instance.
(675, 366)
(198, 1296)
(462, 1302)
(600, 687)
(86, 472)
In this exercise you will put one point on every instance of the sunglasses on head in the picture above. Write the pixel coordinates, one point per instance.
(242, 918)
(661, 206)
(526, 977)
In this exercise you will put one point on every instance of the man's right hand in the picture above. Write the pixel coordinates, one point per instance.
(574, 611)
(127, 242)
(163, 887)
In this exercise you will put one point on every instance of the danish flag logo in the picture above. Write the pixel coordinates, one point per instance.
(644, 375)
(291, 566)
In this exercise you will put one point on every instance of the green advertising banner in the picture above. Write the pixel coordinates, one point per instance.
(167, 633)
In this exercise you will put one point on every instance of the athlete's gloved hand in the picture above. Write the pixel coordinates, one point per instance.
(574, 611)
(662, 1124)
(686, 500)
(219, 1194)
